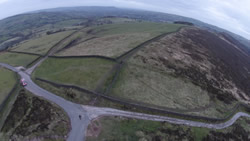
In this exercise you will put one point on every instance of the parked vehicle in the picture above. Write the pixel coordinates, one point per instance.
(23, 82)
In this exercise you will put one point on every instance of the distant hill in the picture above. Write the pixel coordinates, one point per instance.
(21, 26)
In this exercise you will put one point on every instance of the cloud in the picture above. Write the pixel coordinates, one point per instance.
(3, 1)
(134, 4)
(229, 14)
(232, 15)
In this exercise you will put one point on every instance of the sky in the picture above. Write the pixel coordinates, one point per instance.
(233, 15)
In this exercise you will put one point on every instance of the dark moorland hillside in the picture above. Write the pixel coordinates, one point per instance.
(214, 62)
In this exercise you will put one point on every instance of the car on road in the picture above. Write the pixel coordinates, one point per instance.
(23, 82)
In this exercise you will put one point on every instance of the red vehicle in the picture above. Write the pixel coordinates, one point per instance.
(23, 82)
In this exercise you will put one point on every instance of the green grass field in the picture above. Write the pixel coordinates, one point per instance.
(124, 129)
(82, 72)
(116, 20)
(16, 59)
(115, 39)
(68, 23)
(142, 27)
(41, 45)
(68, 41)
(8, 80)
(158, 88)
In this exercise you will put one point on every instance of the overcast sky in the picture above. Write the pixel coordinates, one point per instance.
(233, 15)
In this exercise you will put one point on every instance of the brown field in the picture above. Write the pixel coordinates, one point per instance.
(111, 45)
(115, 39)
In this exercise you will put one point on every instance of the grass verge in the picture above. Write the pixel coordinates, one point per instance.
(7, 107)
(8, 81)
(117, 128)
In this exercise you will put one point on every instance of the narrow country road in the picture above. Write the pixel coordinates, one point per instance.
(89, 113)
(95, 112)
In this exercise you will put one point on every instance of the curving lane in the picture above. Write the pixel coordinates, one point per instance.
(95, 112)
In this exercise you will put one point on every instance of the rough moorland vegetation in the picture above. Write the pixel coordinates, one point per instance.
(33, 118)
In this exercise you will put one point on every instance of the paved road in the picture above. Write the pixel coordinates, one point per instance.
(89, 113)
(95, 112)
